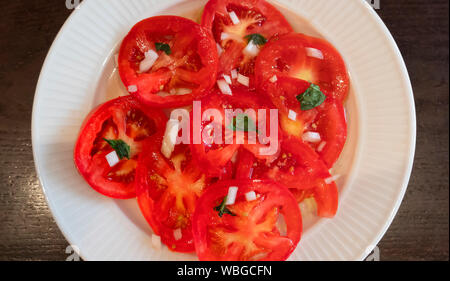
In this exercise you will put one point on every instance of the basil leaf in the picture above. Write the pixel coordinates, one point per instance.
(257, 39)
(311, 98)
(222, 209)
(122, 149)
(163, 47)
(242, 123)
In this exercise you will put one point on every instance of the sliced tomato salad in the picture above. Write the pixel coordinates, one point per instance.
(127, 123)
(167, 61)
(266, 123)
(236, 24)
(267, 228)
(306, 58)
(167, 192)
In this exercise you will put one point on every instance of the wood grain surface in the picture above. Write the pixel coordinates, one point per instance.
(420, 231)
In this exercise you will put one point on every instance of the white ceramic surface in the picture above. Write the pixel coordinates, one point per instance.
(376, 163)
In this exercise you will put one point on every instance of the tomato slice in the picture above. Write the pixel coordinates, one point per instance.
(328, 119)
(178, 76)
(298, 168)
(167, 192)
(123, 119)
(213, 157)
(252, 232)
(306, 58)
(255, 17)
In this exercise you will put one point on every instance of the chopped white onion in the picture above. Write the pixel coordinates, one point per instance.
(132, 88)
(251, 50)
(116, 60)
(112, 158)
(244, 80)
(292, 115)
(224, 87)
(156, 242)
(281, 225)
(150, 59)
(170, 137)
(231, 197)
(332, 179)
(234, 74)
(177, 234)
(227, 79)
(250, 196)
(314, 53)
(321, 146)
(224, 36)
(274, 79)
(219, 49)
(234, 18)
(311, 137)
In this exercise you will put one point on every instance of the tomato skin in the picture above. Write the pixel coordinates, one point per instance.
(274, 195)
(261, 17)
(95, 167)
(192, 47)
(286, 55)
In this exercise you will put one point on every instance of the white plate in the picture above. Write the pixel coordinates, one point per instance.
(79, 74)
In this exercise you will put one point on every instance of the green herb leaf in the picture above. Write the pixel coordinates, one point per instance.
(242, 123)
(122, 149)
(163, 47)
(311, 98)
(222, 208)
(257, 39)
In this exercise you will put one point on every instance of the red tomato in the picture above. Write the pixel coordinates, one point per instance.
(167, 192)
(327, 119)
(120, 119)
(191, 65)
(298, 168)
(212, 158)
(252, 232)
(307, 58)
(255, 16)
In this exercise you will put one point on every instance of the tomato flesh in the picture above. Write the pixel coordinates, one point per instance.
(252, 233)
(120, 119)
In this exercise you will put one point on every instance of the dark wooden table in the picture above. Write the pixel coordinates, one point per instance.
(419, 232)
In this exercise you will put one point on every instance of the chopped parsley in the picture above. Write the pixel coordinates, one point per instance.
(222, 208)
(163, 47)
(311, 98)
(122, 149)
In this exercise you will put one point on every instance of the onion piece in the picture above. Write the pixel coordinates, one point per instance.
(314, 53)
(321, 146)
(273, 79)
(231, 197)
(234, 18)
(251, 50)
(224, 36)
(224, 87)
(219, 49)
(112, 158)
(177, 234)
(150, 59)
(132, 88)
(332, 179)
(170, 137)
(311, 137)
(244, 80)
(250, 196)
(227, 79)
(234, 74)
(156, 242)
(292, 115)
